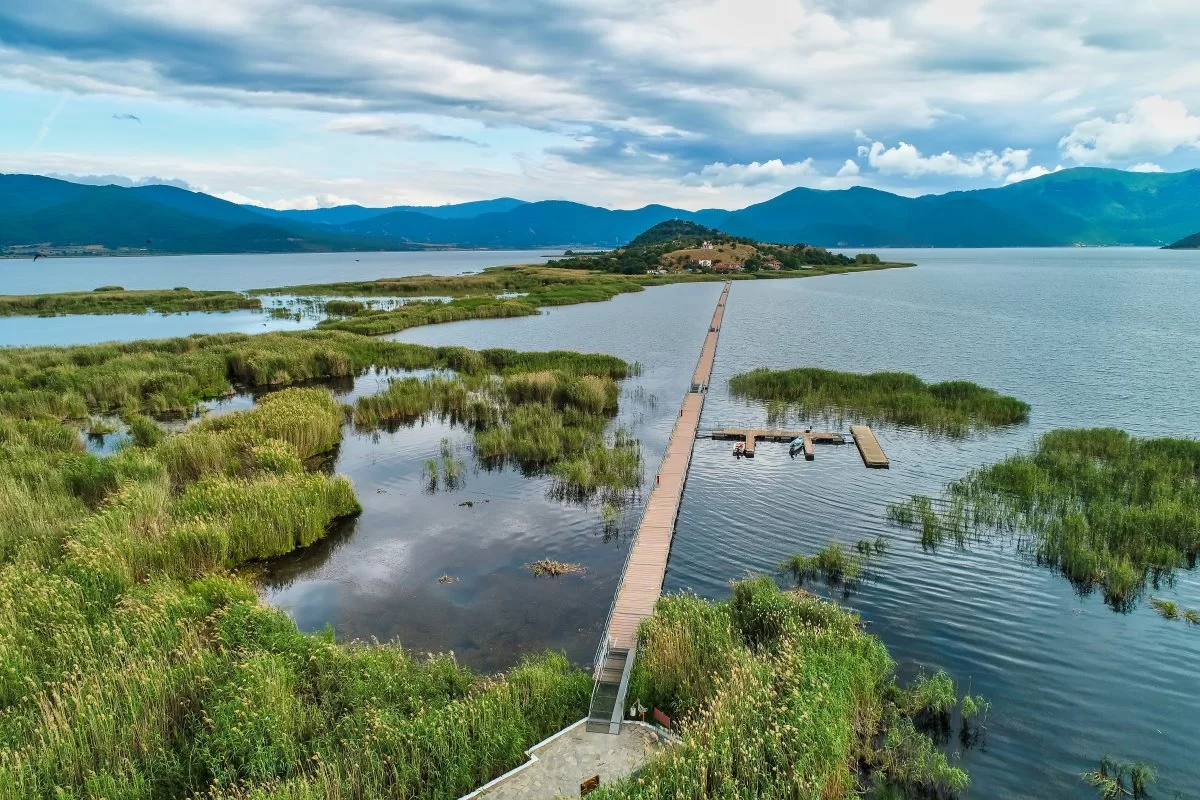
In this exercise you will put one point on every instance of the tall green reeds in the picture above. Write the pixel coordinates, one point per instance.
(121, 301)
(775, 695)
(1110, 511)
(134, 666)
(952, 407)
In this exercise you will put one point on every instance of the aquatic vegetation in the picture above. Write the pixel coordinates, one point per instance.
(546, 567)
(134, 665)
(1169, 609)
(832, 562)
(953, 407)
(544, 420)
(775, 695)
(116, 300)
(99, 427)
(487, 295)
(164, 375)
(1110, 511)
(932, 696)
(1116, 779)
(345, 308)
(144, 431)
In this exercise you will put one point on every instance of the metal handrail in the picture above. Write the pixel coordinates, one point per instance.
(602, 648)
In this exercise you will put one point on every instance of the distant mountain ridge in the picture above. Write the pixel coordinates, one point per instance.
(1084, 206)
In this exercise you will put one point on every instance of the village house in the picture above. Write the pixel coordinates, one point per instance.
(704, 262)
(706, 246)
(727, 266)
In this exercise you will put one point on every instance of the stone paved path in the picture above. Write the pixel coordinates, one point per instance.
(573, 757)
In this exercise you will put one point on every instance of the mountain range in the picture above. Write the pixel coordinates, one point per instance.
(1082, 206)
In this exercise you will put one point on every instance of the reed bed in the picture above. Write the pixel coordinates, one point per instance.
(836, 564)
(777, 695)
(544, 420)
(115, 300)
(172, 375)
(953, 407)
(345, 308)
(1109, 511)
(133, 665)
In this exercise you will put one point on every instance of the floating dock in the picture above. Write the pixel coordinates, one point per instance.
(868, 447)
(751, 435)
(646, 565)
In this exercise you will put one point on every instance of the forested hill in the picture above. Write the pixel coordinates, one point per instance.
(678, 245)
(1084, 206)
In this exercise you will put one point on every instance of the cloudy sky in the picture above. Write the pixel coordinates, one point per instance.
(694, 103)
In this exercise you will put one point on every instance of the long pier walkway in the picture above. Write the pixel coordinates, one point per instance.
(645, 567)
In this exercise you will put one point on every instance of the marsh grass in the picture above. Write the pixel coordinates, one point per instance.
(775, 695)
(489, 294)
(1109, 511)
(539, 420)
(1114, 779)
(833, 562)
(953, 407)
(115, 300)
(133, 665)
(173, 375)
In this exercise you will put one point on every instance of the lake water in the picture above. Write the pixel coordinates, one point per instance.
(1088, 337)
(242, 272)
(235, 272)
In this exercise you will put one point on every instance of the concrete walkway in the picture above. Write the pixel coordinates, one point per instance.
(574, 756)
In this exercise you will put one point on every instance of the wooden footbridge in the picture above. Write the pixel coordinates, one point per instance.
(641, 579)
(646, 565)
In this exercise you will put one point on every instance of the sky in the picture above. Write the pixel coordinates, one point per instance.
(690, 103)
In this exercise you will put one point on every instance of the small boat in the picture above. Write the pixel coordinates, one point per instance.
(796, 446)
(739, 449)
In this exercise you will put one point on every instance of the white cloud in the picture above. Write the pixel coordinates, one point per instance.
(905, 159)
(755, 173)
(850, 168)
(1036, 171)
(1146, 166)
(1153, 126)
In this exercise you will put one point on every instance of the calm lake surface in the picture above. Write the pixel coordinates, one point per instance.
(241, 272)
(1088, 337)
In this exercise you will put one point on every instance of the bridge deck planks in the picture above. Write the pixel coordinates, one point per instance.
(641, 584)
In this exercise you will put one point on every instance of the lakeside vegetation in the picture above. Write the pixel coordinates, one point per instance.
(781, 695)
(542, 421)
(508, 292)
(135, 664)
(1108, 510)
(157, 376)
(116, 300)
(951, 407)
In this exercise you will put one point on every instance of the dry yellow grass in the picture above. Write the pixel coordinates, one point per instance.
(722, 252)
